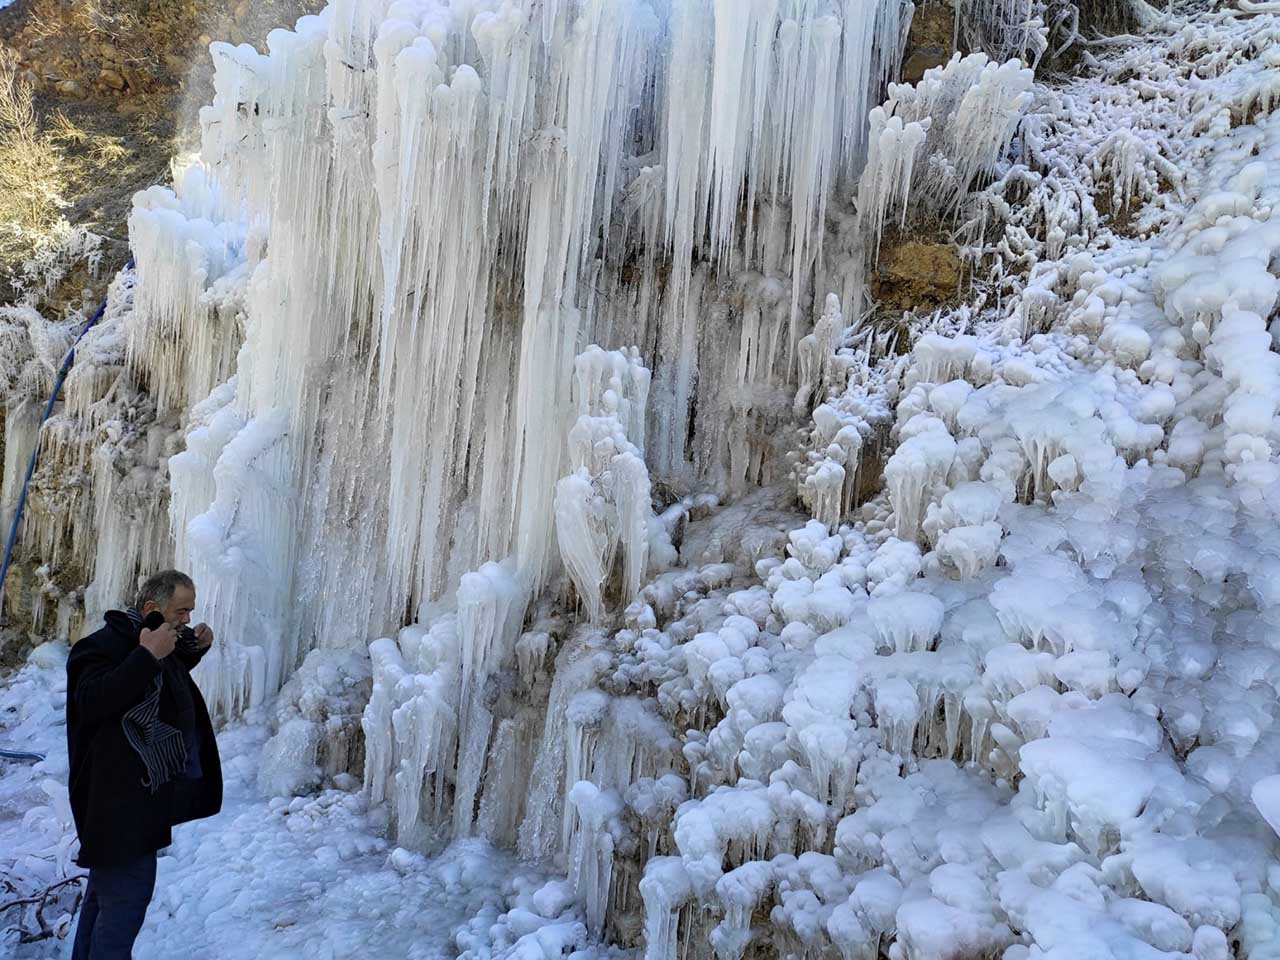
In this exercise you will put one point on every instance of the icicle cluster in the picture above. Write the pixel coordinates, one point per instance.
(604, 506)
(97, 507)
(847, 375)
(501, 182)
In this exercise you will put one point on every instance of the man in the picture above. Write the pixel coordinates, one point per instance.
(142, 754)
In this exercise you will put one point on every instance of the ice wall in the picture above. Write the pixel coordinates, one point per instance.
(1022, 702)
(423, 211)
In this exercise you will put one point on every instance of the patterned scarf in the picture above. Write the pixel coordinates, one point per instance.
(159, 745)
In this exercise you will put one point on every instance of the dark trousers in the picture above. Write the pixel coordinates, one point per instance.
(115, 905)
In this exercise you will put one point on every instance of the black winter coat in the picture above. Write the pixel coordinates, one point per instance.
(118, 819)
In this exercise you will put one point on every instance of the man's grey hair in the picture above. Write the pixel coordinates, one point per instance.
(159, 588)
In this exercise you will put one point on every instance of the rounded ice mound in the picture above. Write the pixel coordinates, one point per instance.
(1266, 797)
(906, 621)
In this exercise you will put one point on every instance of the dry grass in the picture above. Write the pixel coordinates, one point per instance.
(64, 160)
(33, 174)
(82, 153)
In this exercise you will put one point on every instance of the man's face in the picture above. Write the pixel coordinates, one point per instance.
(177, 612)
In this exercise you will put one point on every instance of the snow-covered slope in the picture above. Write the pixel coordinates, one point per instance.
(768, 622)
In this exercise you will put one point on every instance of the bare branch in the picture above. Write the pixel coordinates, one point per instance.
(41, 897)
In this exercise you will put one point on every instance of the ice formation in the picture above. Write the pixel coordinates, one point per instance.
(556, 145)
(604, 505)
(511, 337)
(931, 140)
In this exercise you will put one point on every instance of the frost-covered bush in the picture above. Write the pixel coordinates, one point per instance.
(930, 141)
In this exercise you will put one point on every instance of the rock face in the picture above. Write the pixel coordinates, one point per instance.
(913, 274)
(115, 87)
(930, 42)
(119, 48)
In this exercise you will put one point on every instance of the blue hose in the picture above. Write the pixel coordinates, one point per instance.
(48, 409)
(20, 755)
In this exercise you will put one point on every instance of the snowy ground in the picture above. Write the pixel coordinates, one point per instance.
(264, 879)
